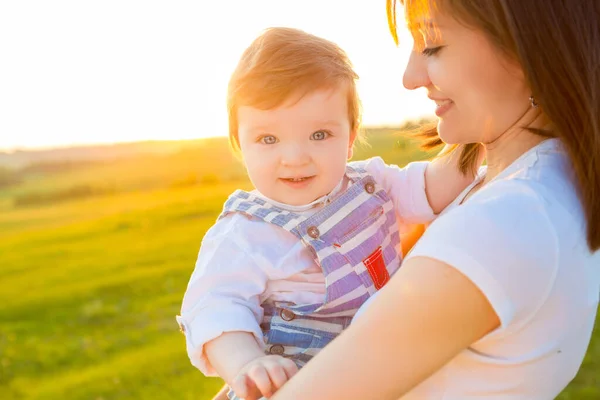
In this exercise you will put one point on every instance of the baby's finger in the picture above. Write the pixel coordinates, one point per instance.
(277, 374)
(240, 386)
(289, 367)
(244, 388)
(258, 374)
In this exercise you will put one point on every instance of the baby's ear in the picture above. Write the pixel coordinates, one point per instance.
(351, 145)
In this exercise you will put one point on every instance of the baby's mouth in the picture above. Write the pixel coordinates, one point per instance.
(297, 179)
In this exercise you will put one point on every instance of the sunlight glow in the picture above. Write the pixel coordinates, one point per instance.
(78, 72)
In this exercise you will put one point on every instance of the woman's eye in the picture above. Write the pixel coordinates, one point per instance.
(319, 135)
(430, 51)
(268, 139)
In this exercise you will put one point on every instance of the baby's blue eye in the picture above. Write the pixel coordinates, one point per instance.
(268, 139)
(319, 135)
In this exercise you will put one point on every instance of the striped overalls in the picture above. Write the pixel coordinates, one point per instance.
(354, 239)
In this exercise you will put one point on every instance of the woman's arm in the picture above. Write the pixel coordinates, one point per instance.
(486, 264)
(426, 315)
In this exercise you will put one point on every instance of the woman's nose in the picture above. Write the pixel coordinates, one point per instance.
(415, 74)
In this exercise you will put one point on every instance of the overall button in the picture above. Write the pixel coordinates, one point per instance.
(370, 187)
(287, 315)
(313, 232)
(277, 349)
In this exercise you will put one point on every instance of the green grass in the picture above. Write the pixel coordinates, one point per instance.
(90, 287)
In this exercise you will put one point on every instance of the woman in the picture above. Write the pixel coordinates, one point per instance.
(498, 298)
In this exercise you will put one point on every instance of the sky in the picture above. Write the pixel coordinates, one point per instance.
(79, 72)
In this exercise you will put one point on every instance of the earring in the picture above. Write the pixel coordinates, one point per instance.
(532, 101)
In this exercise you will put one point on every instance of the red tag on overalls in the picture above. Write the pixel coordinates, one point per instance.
(376, 266)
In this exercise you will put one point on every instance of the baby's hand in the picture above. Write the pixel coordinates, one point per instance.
(263, 376)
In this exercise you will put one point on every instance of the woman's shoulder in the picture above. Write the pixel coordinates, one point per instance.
(543, 187)
(525, 209)
(544, 173)
(524, 223)
(510, 211)
(505, 195)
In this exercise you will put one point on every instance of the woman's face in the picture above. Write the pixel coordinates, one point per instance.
(478, 91)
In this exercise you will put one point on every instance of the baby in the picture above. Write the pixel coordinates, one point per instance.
(286, 266)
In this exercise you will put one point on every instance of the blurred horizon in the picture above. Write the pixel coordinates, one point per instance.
(59, 146)
(76, 155)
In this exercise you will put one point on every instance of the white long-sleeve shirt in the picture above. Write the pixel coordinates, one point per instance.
(245, 262)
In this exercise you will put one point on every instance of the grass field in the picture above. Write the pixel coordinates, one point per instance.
(95, 258)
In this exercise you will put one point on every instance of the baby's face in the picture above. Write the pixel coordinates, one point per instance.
(297, 153)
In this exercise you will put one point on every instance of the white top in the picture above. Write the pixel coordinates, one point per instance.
(244, 262)
(522, 240)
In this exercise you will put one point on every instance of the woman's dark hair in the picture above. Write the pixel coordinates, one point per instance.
(557, 44)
